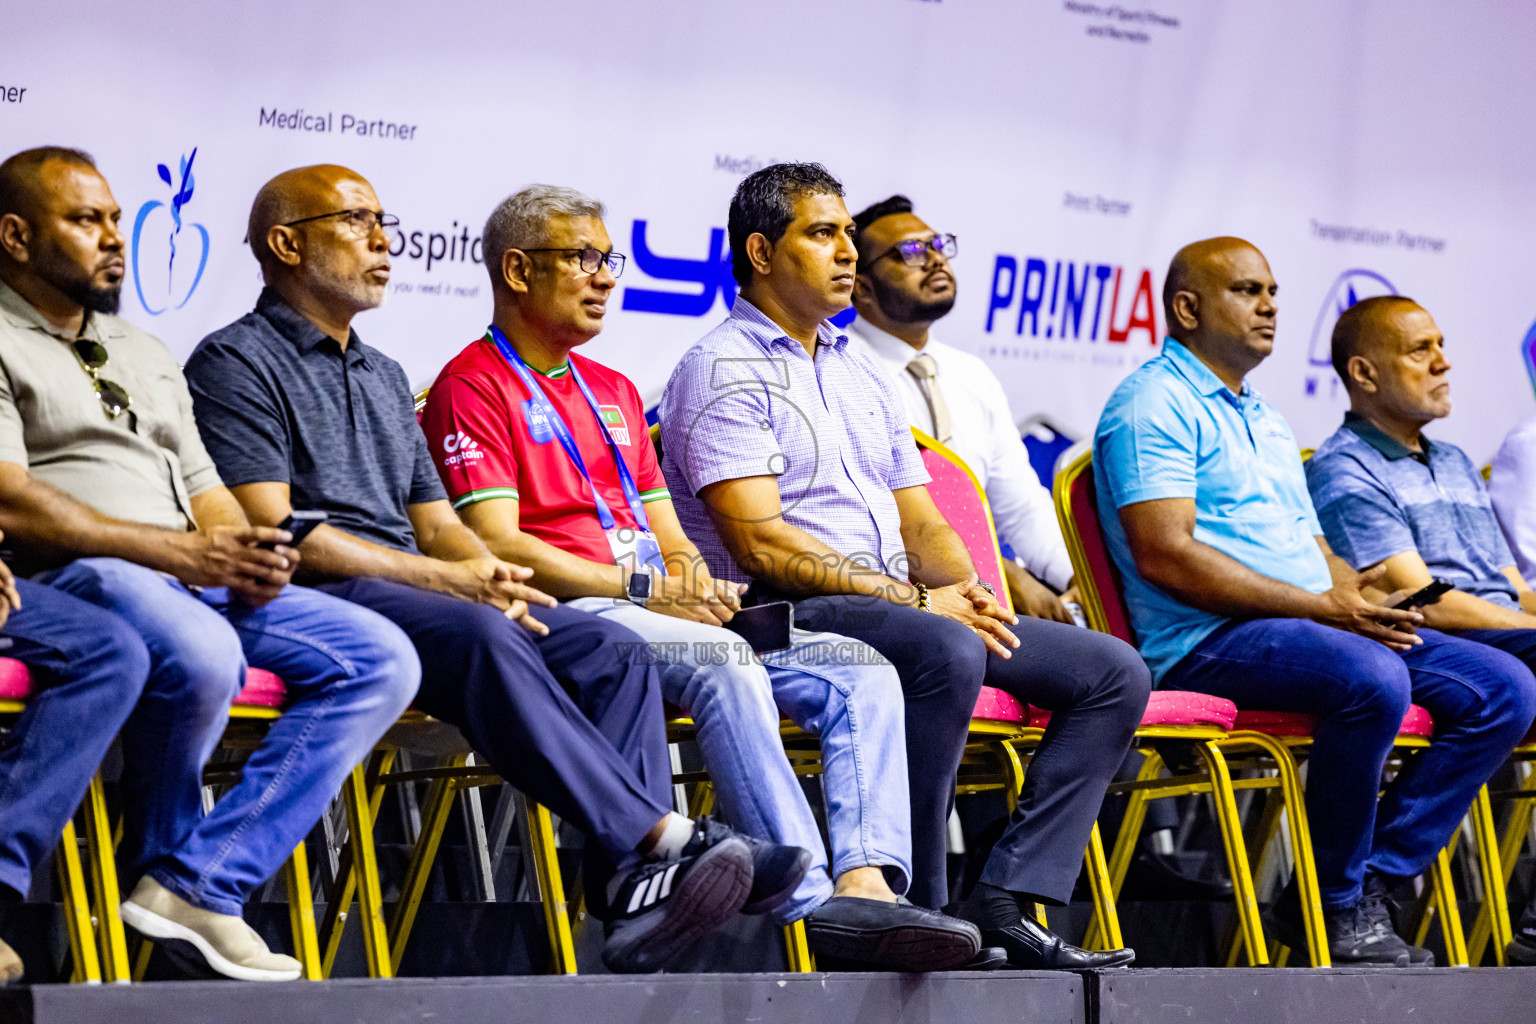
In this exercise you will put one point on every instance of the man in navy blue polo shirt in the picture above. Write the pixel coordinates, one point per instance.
(1232, 591)
(1388, 496)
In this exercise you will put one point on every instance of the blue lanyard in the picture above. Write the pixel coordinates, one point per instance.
(557, 423)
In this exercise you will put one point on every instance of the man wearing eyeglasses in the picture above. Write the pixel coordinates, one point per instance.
(545, 454)
(904, 286)
(107, 491)
(299, 413)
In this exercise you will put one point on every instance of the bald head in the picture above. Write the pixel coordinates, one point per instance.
(1363, 328)
(293, 195)
(1196, 266)
(335, 264)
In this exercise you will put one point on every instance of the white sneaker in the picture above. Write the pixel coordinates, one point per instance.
(225, 942)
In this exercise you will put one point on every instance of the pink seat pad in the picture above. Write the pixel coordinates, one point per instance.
(994, 705)
(15, 680)
(1417, 722)
(1171, 708)
(262, 689)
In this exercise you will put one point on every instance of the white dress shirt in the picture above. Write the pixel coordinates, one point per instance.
(1512, 486)
(984, 435)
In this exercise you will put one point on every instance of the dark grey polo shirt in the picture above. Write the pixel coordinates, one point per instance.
(278, 401)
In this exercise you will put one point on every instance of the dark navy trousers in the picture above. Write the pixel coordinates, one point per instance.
(1482, 701)
(1095, 686)
(88, 669)
(573, 719)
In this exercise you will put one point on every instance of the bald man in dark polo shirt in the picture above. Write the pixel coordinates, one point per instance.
(298, 413)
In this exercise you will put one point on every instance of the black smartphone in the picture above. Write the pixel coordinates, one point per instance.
(1425, 595)
(766, 627)
(300, 524)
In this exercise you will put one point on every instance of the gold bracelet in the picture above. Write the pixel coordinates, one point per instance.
(923, 603)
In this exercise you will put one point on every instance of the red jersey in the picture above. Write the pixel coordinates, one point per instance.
(477, 425)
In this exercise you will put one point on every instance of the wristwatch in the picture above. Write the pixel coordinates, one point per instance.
(641, 586)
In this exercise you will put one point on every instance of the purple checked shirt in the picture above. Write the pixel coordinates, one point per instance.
(748, 401)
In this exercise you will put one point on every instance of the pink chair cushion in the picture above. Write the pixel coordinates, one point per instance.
(1170, 708)
(15, 680)
(1417, 722)
(962, 506)
(262, 689)
(996, 706)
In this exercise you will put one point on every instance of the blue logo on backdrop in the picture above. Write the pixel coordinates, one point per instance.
(711, 275)
(1528, 353)
(1350, 287)
(169, 293)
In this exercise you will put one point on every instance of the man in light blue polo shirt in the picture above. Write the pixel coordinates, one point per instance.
(1389, 496)
(1233, 592)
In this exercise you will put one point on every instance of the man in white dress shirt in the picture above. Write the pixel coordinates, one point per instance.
(1512, 486)
(904, 284)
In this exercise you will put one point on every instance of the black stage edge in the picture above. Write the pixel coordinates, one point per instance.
(657, 999)
(1268, 996)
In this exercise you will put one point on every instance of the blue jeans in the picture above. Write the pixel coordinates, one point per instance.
(88, 668)
(838, 690)
(1482, 701)
(349, 673)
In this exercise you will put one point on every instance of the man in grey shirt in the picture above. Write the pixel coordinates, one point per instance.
(105, 485)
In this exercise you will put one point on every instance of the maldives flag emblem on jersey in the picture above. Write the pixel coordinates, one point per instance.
(613, 419)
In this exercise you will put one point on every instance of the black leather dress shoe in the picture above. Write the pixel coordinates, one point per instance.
(890, 936)
(991, 958)
(1034, 948)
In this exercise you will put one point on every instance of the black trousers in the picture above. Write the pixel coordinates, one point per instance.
(1095, 686)
(573, 719)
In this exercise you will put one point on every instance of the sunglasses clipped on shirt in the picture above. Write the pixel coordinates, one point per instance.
(93, 356)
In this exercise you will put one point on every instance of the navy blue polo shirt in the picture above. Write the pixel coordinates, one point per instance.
(1378, 498)
(276, 400)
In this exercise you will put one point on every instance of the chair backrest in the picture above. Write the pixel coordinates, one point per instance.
(421, 403)
(963, 503)
(656, 439)
(1098, 581)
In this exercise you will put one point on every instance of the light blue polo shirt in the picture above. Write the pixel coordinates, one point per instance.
(1172, 429)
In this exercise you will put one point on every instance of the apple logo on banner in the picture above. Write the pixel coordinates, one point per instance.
(1350, 288)
(172, 290)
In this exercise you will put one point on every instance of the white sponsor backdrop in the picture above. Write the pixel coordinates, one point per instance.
(1395, 139)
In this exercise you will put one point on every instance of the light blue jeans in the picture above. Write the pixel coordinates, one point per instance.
(840, 691)
(349, 673)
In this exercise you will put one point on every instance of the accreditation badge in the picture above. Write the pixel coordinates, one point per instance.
(634, 549)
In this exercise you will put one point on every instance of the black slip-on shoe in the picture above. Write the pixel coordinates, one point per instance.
(890, 936)
(1032, 947)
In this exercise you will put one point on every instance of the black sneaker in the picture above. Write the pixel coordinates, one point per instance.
(777, 869)
(1521, 952)
(1376, 899)
(661, 907)
(1356, 938)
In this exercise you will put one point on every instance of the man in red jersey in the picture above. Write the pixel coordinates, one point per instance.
(546, 456)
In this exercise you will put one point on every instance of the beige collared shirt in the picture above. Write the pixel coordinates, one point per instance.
(142, 467)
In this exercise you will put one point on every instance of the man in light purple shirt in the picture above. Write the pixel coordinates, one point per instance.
(790, 463)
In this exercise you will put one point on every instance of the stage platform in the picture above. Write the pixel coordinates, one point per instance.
(1486, 996)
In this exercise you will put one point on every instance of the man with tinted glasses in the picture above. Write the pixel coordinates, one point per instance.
(595, 522)
(299, 413)
(904, 285)
(791, 462)
(107, 491)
